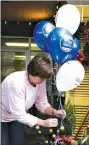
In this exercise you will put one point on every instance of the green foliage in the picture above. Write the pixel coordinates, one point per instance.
(86, 143)
(86, 50)
(70, 120)
(79, 142)
(86, 47)
(87, 24)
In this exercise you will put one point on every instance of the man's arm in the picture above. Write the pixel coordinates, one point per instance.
(49, 110)
(57, 113)
(43, 105)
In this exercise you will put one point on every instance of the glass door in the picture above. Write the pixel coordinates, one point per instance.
(13, 60)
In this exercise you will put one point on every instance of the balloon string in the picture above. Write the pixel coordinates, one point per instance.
(59, 107)
(59, 100)
(54, 78)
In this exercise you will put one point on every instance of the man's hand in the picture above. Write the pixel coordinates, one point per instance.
(52, 122)
(59, 113)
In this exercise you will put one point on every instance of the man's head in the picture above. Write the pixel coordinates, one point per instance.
(39, 69)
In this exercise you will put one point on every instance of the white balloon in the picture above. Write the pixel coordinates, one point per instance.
(68, 17)
(70, 75)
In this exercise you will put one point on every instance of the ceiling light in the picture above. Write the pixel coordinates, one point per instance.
(17, 44)
(21, 56)
(20, 44)
(33, 44)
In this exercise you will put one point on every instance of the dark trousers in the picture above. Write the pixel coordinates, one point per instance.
(12, 133)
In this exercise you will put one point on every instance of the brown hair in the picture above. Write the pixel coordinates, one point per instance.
(40, 66)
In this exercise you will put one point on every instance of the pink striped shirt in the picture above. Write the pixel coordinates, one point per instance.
(18, 95)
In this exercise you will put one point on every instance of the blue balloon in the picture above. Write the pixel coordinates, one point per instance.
(76, 48)
(41, 32)
(60, 42)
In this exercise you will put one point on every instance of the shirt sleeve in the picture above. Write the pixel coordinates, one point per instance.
(42, 101)
(16, 101)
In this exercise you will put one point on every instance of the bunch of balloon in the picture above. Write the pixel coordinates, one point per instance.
(62, 46)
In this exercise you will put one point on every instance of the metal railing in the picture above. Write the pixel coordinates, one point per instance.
(81, 125)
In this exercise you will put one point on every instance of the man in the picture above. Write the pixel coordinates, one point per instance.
(20, 90)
